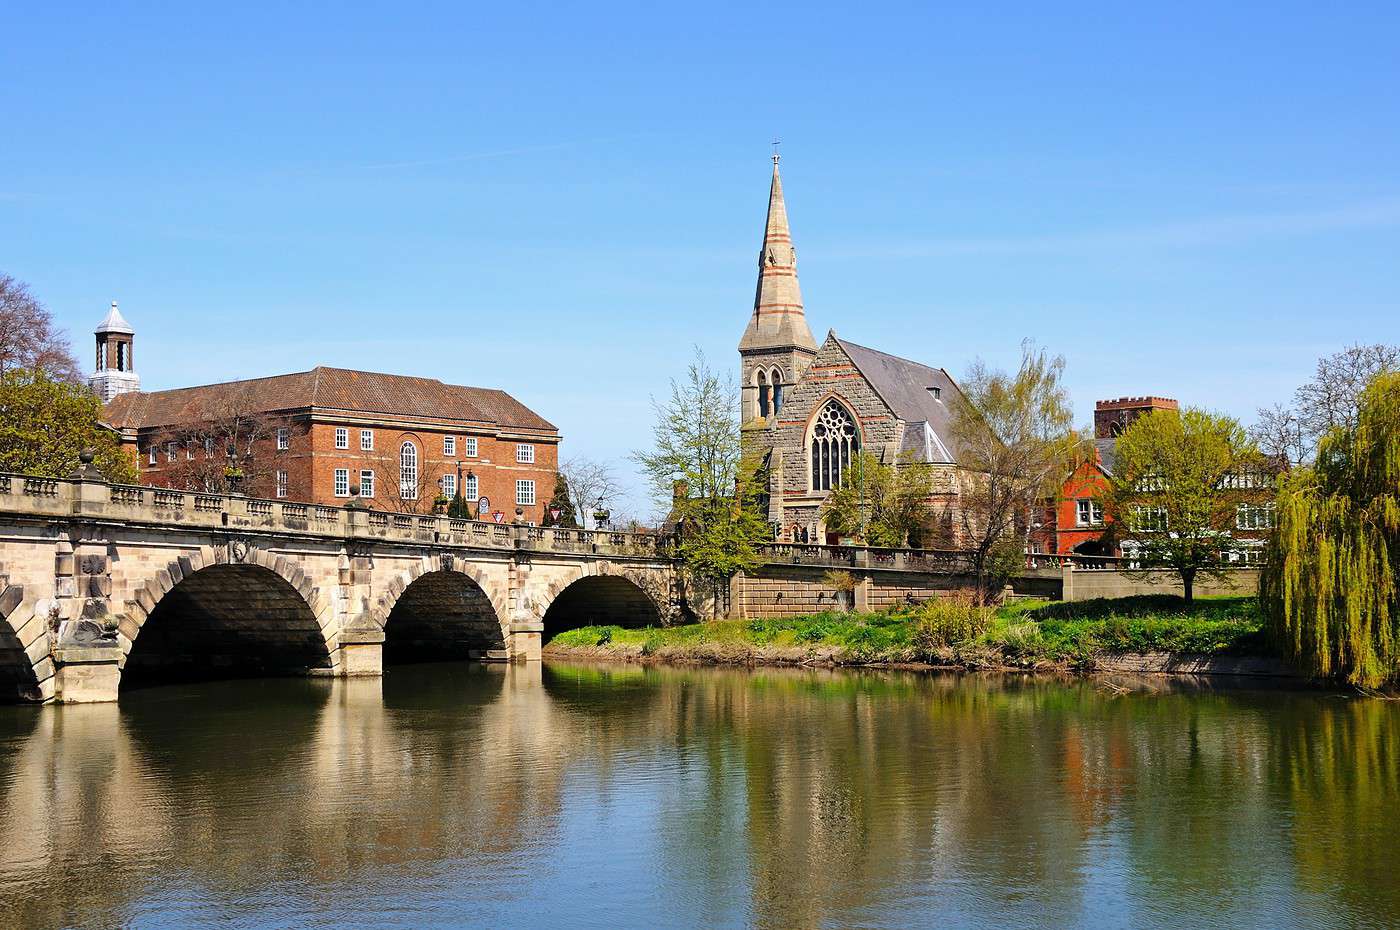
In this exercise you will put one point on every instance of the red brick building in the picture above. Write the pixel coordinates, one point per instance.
(1075, 522)
(316, 435)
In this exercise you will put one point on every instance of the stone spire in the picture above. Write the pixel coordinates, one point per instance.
(778, 320)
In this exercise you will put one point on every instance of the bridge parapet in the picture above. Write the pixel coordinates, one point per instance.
(27, 495)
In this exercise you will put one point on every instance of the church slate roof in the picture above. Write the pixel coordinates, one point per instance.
(331, 389)
(904, 386)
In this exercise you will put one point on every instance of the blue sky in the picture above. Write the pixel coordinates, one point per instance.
(1194, 200)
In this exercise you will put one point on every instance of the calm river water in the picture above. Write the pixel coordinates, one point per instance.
(581, 796)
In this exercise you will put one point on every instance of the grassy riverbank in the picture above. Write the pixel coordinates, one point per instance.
(1075, 635)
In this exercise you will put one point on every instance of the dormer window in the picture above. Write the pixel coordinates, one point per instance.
(937, 392)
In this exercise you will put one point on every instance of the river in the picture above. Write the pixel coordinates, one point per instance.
(594, 796)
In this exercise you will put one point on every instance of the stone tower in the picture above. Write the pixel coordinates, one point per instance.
(115, 373)
(1111, 417)
(777, 346)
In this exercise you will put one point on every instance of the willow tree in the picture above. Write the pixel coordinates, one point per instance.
(1329, 586)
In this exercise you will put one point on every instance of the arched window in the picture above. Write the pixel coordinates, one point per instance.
(408, 471)
(762, 393)
(777, 391)
(835, 439)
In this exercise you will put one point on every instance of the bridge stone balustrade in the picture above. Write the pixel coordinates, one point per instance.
(105, 586)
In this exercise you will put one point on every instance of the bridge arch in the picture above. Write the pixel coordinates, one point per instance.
(19, 680)
(600, 599)
(440, 611)
(226, 613)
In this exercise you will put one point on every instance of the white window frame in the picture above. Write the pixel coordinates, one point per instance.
(449, 446)
(1088, 512)
(366, 440)
(170, 451)
(208, 445)
(280, 479)
(367, 482)
(1254, 516)
(342, 437)
(470, 484)
(469, 446)
(152, 453)
(341, 486)
(524, 453)
(524, 492)
(448, 484)
(408, 471)
(284, 438)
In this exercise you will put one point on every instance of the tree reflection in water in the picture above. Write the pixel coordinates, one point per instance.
(602, 796)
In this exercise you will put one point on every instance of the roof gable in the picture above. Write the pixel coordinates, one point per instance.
(904, 386)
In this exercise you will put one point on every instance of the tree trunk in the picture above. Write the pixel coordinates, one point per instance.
(1188, 580)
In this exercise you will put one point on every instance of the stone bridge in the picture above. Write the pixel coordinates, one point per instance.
(104, 587)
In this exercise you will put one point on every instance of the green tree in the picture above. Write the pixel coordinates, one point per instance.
(696, 445)
(1015, 442)
(45, 424)
(879, 504)
(1178, 480)
(1330, 581)
(561, 501)
(460, 508)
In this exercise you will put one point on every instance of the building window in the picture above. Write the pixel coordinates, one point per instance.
(342, 437)
(366, 482)
(281, 483)
(449, 485)
(762, 393)
(469, 488)
(1088, 512)
(1149, 519)
(102, 356)
(170, 451)
(524, 452)
(151, 454)
(449, 446)
(189, 450)
(284, 438)
(209, 445)
(122, 363)
(366, 440)
(342, 482)
(469, 446)
(408, 471)
(777, 381)
(1254, 517)
(524, 493)
(835, 439)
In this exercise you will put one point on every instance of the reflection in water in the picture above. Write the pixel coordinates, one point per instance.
(451, 795)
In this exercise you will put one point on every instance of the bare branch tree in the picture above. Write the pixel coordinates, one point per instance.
(1331, 400)
(592, 485)
(398, 489)
(227, 444)
(28, 338)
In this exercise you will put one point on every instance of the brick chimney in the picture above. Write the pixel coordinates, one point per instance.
(1111, 417)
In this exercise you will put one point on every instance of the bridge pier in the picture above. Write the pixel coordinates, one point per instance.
(86, 674)
(526, 640)
(361, 653)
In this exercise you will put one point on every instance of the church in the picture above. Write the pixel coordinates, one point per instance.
(808, 409)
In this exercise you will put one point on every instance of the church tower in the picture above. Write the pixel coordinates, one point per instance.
(777, 346)
(115, 372)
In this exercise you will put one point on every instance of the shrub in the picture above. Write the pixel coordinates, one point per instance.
(949, 621)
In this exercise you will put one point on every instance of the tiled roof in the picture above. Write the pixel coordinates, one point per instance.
(904, 385)
(365, 392)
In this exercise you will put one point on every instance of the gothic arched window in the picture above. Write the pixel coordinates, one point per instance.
(777, 391)
(835, 438)
(762, 393)
(408, 471)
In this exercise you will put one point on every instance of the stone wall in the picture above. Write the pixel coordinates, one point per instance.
(794, 590)
(1087, 585)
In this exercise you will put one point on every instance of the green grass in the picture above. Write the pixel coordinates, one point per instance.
(1025, 633)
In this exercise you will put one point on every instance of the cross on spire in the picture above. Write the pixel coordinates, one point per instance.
(776, 143)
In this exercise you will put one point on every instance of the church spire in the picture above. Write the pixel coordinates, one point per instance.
(778, 320)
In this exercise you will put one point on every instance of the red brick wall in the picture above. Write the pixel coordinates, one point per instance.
(312, 459)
